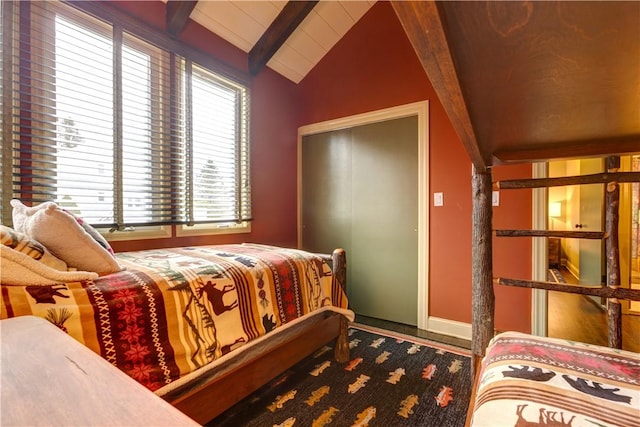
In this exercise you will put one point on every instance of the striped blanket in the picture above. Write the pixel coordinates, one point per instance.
(527, 381)
(172, 311)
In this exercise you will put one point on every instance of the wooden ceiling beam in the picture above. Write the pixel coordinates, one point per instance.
(278, 32)
(570, 150)
(178, 12)
(424, 28)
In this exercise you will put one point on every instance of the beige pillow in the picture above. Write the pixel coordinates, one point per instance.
(64, 237)
(22, 243)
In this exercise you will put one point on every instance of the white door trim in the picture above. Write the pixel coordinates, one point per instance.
(539, 264)
(421, 110)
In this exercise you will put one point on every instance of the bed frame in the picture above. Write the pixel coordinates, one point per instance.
(211, 394)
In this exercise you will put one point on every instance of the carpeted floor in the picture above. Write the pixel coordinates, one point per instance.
(391, 380)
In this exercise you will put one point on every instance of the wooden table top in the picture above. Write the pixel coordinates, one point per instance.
(48, 378)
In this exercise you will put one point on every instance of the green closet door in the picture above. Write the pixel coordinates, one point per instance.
(326, 192)
(360, 192)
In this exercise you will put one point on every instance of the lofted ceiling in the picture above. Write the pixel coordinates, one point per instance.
(526, 81)
(519, 80)
(288, 37)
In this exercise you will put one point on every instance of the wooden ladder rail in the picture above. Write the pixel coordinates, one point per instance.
(612, 291)
(483, 297)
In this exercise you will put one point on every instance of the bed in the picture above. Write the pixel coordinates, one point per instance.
(200, 326)
(529, 380)
(524, 83)
(522, 379)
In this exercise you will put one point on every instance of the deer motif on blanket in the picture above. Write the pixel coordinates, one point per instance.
(44, 294)
(545, 418)
(215, 297)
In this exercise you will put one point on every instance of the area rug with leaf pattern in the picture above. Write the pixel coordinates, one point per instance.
(391, 380)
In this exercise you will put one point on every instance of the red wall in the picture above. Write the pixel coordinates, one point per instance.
(372, 67)
(512, 255)
(273, 141)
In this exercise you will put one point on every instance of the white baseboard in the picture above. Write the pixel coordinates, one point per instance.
(573, 269)
(449, 327)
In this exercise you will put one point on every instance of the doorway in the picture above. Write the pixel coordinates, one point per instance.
(572, 316)
(354, 193)
(630, 219)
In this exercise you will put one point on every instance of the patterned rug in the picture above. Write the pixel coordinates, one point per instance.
(554, 275)
(391, 380)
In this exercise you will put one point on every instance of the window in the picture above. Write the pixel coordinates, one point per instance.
(118, 130)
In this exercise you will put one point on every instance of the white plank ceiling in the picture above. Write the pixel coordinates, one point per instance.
(241, 23)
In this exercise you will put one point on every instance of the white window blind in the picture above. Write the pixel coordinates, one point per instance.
(118, 130)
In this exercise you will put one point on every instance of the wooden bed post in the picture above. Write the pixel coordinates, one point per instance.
(339, 265)
(483, 298)
(612, 202)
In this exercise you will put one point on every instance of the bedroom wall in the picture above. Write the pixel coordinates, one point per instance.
(512, 257)
(374, 67)
(273, 141)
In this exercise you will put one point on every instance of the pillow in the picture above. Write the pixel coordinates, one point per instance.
(64, 237)
(19, 268)
(95, 234)
(23, 244)
(18, 220)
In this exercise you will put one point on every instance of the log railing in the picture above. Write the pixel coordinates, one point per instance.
(611, 289)
(482, 296)
(612, 252)
(597, 235)
(611, 176)
(596, 291)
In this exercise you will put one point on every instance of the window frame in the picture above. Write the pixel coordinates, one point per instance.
(130, 28)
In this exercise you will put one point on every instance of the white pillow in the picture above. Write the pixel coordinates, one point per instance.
(22, 214)
(63, 236)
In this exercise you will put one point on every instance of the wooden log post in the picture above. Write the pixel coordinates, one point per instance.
(339, 261)
(483, 298)
(612, 251)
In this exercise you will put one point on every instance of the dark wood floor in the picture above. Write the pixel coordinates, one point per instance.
(577, 318)
(413, 331)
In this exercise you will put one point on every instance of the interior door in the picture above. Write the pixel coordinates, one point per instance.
(591, 219)
(360, 192)
(634, 249)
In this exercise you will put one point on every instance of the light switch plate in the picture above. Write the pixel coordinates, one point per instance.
(495, 198)
(438, 199)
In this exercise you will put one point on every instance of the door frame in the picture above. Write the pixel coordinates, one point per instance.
(539, 321)
(540, 214)
(421, 110)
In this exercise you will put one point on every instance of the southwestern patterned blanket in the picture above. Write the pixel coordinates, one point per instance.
(172, 311)
(529, 381)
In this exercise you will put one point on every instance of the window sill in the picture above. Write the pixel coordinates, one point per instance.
(140, 233)
(209, 229)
